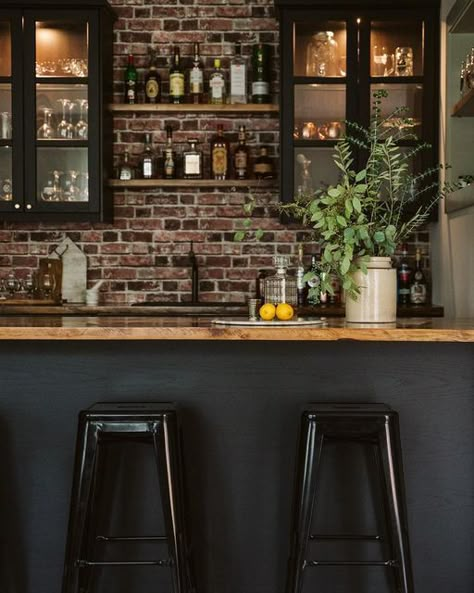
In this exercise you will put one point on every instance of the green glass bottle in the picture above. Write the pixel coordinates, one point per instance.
(131, 79)
(261, 73)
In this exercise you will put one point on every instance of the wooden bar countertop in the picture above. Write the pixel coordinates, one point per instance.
(49, 327)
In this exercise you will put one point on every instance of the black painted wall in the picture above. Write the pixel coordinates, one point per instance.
(240, 408)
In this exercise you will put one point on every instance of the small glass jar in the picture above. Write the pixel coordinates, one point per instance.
(280, 287)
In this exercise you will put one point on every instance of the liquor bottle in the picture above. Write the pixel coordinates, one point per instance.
(217, 90)
(148, 161)
(418, 287)
(301, 287)
(241, 156)
(192, 161)
(169, 156)
(176, 79)
(153, 81)
(196, 77)
(260, 285)
(238, 77)
(261, 73)
(314, 281)
(404, 278)
(131, 79)
(263, 166)
(219, 155)
(125, 172)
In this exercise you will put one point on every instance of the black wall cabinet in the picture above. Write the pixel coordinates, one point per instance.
(55, 81)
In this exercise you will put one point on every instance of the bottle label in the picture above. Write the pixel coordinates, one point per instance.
(241, 161)
(219, 160)
(418, 294)
(125, 174)
(238, 80)
(169, 163)
(217, 87)
(192, 164)
(147, 169)
(196, 81)
(260, 88)
(152, 88)
(131, 90)
(177, 84)
(262, 168)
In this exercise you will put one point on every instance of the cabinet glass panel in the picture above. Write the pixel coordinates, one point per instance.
(62, 175)
(6, 129)
(406, 123)
(396, 48)
(61, 48)
(320, 49)
(6, 190)
(5, 49)
(319, 111)
(61, 112)
(314, 168)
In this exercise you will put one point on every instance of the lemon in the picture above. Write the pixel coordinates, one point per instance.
(267, 311)
(284, 312)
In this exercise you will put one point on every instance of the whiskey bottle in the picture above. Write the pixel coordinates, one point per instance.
(301, 287)
(219, 155)
(148, 161)
(217, 90)
(263, 167)
(238, 77)
(261, 73)
(125, 172)
(169, 156)
(196, 78)
(418, 287)
(192, 161)
(176, 79)
(241, 156)
(131, 79)
(404, 278)
(153, 81)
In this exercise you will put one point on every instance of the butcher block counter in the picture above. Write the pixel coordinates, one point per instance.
(123, 327)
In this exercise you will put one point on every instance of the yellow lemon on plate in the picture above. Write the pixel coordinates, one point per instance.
(284, 312)
(267, 311)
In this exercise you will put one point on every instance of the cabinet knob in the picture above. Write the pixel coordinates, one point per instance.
(17, 206)
(28, 206)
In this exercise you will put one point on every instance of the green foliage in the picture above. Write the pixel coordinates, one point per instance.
(369, 212)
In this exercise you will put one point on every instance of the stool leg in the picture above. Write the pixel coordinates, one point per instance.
(308, 459)
(166, 444)
(84, 470)
(391, 458)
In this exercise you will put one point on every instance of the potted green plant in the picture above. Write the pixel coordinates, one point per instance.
(360, 221)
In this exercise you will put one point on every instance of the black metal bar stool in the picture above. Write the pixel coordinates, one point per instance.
(153, 423)
(373, 424)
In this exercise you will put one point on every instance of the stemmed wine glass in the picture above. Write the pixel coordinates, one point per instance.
(82, 127)
(65, 128)
(46, 130)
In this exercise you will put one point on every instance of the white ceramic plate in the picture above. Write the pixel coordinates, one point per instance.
(298, 322)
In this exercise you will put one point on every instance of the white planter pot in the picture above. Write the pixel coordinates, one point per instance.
(377, 301)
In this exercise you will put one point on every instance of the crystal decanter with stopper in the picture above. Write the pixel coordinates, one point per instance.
(281, 287)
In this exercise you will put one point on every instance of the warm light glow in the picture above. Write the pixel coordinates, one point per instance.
(359, 21)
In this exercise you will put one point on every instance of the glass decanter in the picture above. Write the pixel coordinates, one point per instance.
(280, 287)
(321, 55)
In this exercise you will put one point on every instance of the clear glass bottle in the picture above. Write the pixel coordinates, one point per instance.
(169, 156)
(219, 155)
(321, 55)
(217, 90)
(470, 71)
(241, 156)
(148, 161)
(176, 79)
(125, 170)
(153, 80)
(192, 161)
(238, 77)
(281, 287)
(196, 77)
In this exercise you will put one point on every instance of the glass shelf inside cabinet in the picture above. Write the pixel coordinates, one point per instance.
(62, 113)
(320, 49)
(63, 175)
(396, 48)
(61, 49)
(320, 111)
(314, 168)
(6, 189)
(406, 124)
(5, 50)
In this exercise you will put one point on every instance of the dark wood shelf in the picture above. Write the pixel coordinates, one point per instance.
(396, 80)
(7, 143)
(63, 80)
(322, 80)
(261, 108)
(193, 183)
(57, 143)
(465, 106)
(330, 143)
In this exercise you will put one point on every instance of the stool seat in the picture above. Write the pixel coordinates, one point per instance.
(155, 423)
(372, 424)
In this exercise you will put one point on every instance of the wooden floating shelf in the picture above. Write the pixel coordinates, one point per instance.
(194, 108)
(194, 183)
(465, 106)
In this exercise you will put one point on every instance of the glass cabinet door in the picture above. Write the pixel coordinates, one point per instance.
(6, 116)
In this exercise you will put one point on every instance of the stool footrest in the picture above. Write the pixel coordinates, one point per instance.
(131, 538)
(346, 536)
(314, 563)
(165, 562)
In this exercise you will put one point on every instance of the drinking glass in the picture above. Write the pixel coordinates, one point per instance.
(30, 285)
(306, 178)
(5, 125)
(11, 284)
(46, 130)
(404, 61)
(65, 128)
(82, 127)
(70, 189)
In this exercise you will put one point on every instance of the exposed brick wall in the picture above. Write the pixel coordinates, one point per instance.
(143, 253)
